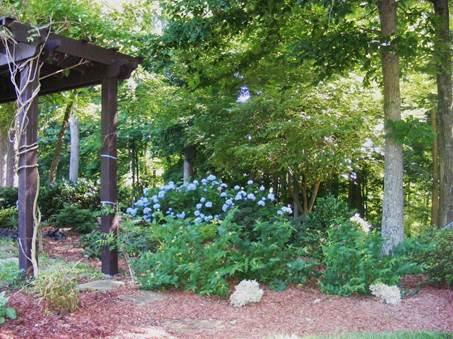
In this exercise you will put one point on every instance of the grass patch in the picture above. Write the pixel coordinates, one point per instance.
(387, 335)
(8, 248)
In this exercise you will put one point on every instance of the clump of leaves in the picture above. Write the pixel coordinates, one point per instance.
(354, 261)
(81, 220)
(8, 218)
(5, 311)
(433, 250)
(57, 290)
(205, 258)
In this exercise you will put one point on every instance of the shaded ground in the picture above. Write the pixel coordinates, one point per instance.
(125, 313)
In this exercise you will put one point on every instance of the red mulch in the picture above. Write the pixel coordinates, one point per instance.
(302, 311)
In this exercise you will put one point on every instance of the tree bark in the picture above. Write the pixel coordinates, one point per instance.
(295, 192)
(392, 214)
(314, 195)
(74, 158)
(189, 157)
(59, 144)
(435, 194)
(355, 196)
(3, 151)
(11, 175)
(444, 111)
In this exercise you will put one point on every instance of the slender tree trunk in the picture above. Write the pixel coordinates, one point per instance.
(444, 111)
(11, 175)
(3, 151)
(189, 157)
(59, 143)
(305, 196)
(295, 192)
(435, 194)
(74, 158)
(314, 195)
(392, 214)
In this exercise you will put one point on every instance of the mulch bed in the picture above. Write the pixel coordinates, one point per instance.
(298, 310)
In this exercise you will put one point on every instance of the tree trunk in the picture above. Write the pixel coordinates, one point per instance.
(11, 175)
(435, 194)
(74, 158)
(59, 143)
(189, 157)
(392, 214)
(314, 195)
(295, 192)
(444, 111)
(3, 151)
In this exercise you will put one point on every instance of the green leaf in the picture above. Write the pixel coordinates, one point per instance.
(10, 313)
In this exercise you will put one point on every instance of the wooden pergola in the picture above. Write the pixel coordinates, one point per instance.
(67, 64)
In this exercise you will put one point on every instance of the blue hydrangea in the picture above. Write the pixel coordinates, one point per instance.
(208, 204)
(262, 188)
(131, 211)
(198, 206)
(181, 215)
(197, 213)
(147, 210)
(191, 187)
(156, 206)
(271, 196)
(211, 177)
(202, 200)
(161, 195)
(223, 194)
(251, 196)
(250, 182)
(237, 188)
(261, 203)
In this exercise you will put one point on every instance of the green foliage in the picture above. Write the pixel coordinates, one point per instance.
(81, 220)
(5, 311)
(8, 197)
(133, 239)
(353, 261)
(312, 232)
(56, 288)
(84, 194)
(10, 275)
(207, 257)
(8, 218)
(433, 251)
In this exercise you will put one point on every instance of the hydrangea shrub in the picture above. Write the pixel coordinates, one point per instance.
(206, 200)
(246, 292)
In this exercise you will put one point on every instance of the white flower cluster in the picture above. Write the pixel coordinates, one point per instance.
(387, 294)
(246, 292)
(356, 219)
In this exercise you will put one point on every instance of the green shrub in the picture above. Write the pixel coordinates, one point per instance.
(207, 257)
(57, 290)
(353, 261)
(8, 197)
(5, 311)
(8, 218)
(84, 194)
(312, 232)
(433, 250)
(81, 220)
(133, 239)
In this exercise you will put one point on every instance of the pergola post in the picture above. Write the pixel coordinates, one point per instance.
(109, 121)
(28, 163)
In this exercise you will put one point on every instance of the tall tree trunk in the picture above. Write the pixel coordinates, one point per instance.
(74, 158)
(3, 151)
(435, 194)
(392, 214)
(295, 192)
(189, 157)
(444, 111)
(59, 144)
(11, 175)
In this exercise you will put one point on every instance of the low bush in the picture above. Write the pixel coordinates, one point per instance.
(312, 231)
(56, 288)
(353, 261)
(133, 239)
(433, 251)
(206, 257)
(5, 311)
(8, 197)
(8, 218)
(84, 194)
(81, 220)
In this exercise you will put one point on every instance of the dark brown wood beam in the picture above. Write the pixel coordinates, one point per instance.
(109, 121)
(28, 170)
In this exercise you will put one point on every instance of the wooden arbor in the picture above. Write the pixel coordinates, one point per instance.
(67, 64)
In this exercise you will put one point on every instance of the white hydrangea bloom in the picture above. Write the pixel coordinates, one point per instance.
(387, 294)
(356, 219)
(247, 291)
